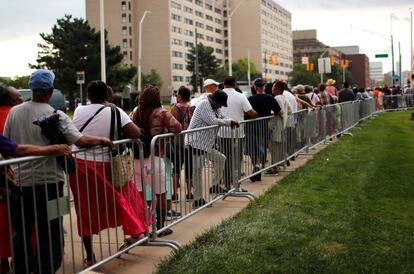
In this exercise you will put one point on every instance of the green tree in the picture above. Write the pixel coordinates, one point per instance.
(299, 75)
(240, 68)
(19, 82)
(74, 46)
(337, 75)
(208, 63)
(152, 78)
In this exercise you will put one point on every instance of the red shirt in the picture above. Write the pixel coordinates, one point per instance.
(4, 112)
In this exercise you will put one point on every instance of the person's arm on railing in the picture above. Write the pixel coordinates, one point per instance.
(90, 141)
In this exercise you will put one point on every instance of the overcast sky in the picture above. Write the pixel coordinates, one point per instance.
(348, 22)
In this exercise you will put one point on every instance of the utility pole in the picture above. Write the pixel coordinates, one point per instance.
(196, 61)
(102, 30)
(399, 65)
(392, 53)
(248, 67)
(411, 47)
(139, 84)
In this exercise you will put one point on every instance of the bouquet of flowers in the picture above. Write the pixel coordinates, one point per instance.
(52, 130)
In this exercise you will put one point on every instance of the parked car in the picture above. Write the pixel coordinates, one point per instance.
(57, 100)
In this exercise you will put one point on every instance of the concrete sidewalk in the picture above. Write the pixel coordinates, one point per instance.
(143, 259)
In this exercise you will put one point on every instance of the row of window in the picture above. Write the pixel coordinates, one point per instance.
(189, 21)
(178, 42)
(207, 6)
(271, 5)
(176, 29)
(177, 78)
(278, 72)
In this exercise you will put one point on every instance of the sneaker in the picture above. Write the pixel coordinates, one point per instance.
(173, 215)
(199, 203)
(216, 189)
(174, 198)
(257, 177)
(189, 197)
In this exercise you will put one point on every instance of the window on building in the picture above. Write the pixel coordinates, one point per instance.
(125, 54)
(209, 7)
(199, 13)
(220, 51)
(188, 79)
(219, 41)
(177, 42)
(176, 17)
(124, 18)
(188, 10)
(129, 5)
(130, 55)
(199, 3)
(124, 43)
(188, 21)
(123, 5)
(209, 38)
(199, 25)
(177, 54)
(208, 17)
(218, 21)
(189, 44)
(124, 31)
(217, 10)
(189, 32)
(177, 78)
(210, 28)
(177, 66)
(218, 31)
(130, 43)
(129, 18)
(175, 5)
(130, 30)
(176, 29)
(200, 36)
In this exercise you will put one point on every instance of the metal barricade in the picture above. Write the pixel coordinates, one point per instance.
(57, 204)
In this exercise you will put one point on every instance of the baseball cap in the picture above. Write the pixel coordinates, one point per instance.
(259, 82)
(220, 97)
(210, 82)
(41, 80)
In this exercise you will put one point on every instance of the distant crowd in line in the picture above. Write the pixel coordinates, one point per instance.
(37, 242)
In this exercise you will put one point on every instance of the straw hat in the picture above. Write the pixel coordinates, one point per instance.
(330, 82)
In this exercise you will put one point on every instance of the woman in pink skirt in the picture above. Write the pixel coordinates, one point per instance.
(99, 204)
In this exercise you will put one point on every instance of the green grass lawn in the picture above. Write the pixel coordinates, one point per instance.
(349, 210)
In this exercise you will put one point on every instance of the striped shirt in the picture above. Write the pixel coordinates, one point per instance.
(204, 116)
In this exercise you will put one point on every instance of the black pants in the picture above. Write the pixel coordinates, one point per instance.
(233, 150)
(35, 208)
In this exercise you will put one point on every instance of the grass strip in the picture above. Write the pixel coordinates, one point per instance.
(349, 210)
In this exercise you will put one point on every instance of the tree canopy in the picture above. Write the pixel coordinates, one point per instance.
(152, 78)
(74, 46)
(19, 82)
(208, 64)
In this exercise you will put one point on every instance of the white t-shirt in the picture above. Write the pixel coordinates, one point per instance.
(291, 100)
(100, 126)
(237, 105)
(196, 101)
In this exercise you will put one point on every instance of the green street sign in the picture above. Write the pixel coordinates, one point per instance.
(383, 55)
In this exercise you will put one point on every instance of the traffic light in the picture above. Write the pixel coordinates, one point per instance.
(271, 60)
(332, 60)
(309, 67)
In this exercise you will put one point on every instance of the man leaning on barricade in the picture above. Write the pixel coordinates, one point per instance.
(42, 180)
(201, 143)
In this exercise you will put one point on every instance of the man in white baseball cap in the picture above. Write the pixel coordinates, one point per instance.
(210, 86)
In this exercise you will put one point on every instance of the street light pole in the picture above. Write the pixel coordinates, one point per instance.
(230, 14)
(140, 49)
(102, 29)
(411, 47)
(392, 53)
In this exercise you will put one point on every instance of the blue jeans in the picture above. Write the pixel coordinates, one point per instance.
(32, 207)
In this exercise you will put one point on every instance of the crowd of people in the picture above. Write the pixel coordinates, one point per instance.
(37, 241)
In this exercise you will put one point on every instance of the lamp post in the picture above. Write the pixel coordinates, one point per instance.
(411, 47)
(140, 49)
(230, 14)
(102, 29)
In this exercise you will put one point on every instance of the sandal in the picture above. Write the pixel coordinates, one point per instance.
(87, 263)
(165, 233)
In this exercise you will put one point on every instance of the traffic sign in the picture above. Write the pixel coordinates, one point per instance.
(324, 65)
(80, 77)
(382, 55)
